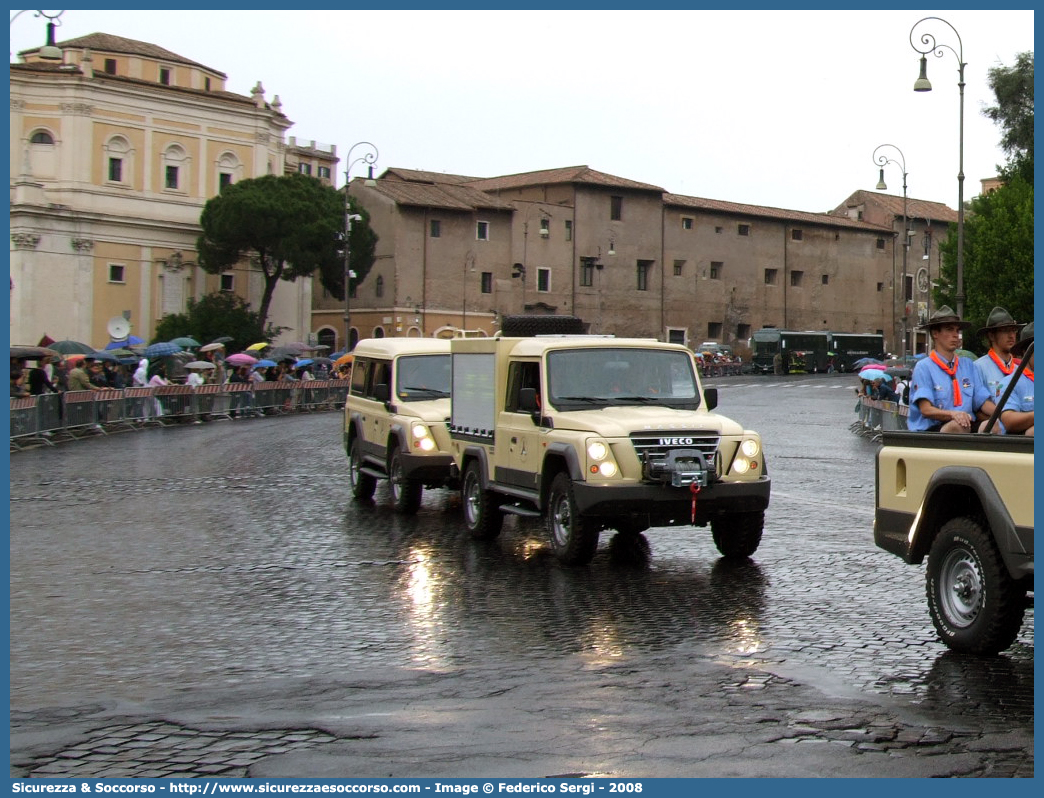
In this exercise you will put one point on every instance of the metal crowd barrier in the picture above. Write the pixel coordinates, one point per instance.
(875, 416)
(48, 418)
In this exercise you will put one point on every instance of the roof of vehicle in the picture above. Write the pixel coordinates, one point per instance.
(394, 347)
(539, 344)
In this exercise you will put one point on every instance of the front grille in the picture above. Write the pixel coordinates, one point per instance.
(655, 446)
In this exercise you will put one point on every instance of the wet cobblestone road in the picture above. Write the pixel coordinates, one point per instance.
(209, 601)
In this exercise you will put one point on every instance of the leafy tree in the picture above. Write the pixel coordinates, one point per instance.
(289, 226)
(217, 315)
(998, 255)
(1013, 87)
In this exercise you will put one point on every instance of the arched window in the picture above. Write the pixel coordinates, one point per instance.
(229, 169)
(41, 137)
(175, 168)
(379, 287)
(118, 165)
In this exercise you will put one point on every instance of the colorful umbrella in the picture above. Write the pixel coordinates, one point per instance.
(875, 374)
(123, 343)
(343, 359)
(265, 364)
(161, 349)
(241, 359)
(258, 347)
(300, 364)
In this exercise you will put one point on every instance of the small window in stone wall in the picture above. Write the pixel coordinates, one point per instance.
(770, 276)
(110, 66)
(743, 230)
(487, 282)
(826, 279)
(228, 282)
(165, 76)
(880, 243)
(117, 273)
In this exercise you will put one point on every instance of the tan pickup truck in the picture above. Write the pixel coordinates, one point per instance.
(594, 433)
(966, 503)
(395, 419)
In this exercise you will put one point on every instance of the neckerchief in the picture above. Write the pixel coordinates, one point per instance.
(1005, 370)
(952, 371)
(1028, 373)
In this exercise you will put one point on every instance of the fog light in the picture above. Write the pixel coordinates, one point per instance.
(741, 466)
(607, 469)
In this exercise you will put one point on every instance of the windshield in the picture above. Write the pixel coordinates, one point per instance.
(422, 377)
(589, 377)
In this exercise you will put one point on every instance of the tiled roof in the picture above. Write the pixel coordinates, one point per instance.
(915, 208)
(740, 209)
(442, 195)
(107, 43)
(420, 176)
(569, 174)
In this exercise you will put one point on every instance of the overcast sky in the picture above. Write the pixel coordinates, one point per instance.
(777, 108)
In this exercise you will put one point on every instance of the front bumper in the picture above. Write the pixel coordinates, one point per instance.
(667, 506)
(431, 469)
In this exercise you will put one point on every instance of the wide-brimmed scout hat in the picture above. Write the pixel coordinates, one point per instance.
(944, 315)
(1025, 339)
(999, 319)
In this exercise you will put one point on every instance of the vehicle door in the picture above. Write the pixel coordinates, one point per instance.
(519, 430)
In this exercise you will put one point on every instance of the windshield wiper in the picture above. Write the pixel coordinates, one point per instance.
(588, 399)
(432, 391)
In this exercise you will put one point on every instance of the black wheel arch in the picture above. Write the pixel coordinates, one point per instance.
(955, 491)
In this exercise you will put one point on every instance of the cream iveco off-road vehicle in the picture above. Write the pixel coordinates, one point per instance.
(596, 432)
(395, 419)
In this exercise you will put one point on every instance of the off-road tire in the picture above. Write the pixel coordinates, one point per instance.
(574, 539)
(406, 493)
(482, 514)
(738, 535)
(363, 485)
(976, 606)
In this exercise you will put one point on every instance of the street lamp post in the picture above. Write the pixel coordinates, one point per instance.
(928, 41)
(369, 157)
(50, 51)
(882, 160)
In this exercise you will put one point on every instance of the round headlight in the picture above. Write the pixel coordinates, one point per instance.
(741, 466)
(607, 469)
(419, 431)
(750, 447)
(597, 450)
(427, 444)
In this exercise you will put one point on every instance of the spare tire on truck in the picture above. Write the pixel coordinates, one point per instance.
(526, 326)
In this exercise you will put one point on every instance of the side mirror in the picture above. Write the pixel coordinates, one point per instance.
(527, 401)
(710, 398)
(382, 392)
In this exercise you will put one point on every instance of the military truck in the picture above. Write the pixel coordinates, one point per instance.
(395, 419)
(966, 503)
(594, 432)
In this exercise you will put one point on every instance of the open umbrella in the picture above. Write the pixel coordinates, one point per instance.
(298, 346)
(103, 354)
(200, 364)
(72, 348)
(866, 361)
(32, 352)
(322, 361)
(902, 372)
(343, 359)
(123, 343)
(258, 346)
(300, 364)
(185, 342)
(875, 374)
(211, 346)
(966, 353)
(265, 364)
(162, 349)
(241, 359)
(223, 339)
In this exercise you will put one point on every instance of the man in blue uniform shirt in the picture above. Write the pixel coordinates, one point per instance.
(947, 393)
(999, 363)
(1017, 414)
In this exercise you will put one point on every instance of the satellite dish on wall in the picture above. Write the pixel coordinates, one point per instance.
(118, 327)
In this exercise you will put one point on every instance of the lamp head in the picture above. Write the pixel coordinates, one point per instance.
(370, 182)
(881, 186)
(922, 83)
(50, 52)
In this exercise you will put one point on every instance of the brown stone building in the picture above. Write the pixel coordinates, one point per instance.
(629, 258)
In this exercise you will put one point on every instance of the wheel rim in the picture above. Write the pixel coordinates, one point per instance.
(396, 478)
(354, 466)
(471, 499)
(561, 522)
(960, 589)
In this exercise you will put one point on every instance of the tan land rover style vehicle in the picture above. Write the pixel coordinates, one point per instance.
(594, 433)
(395, 419)
(966, 503)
